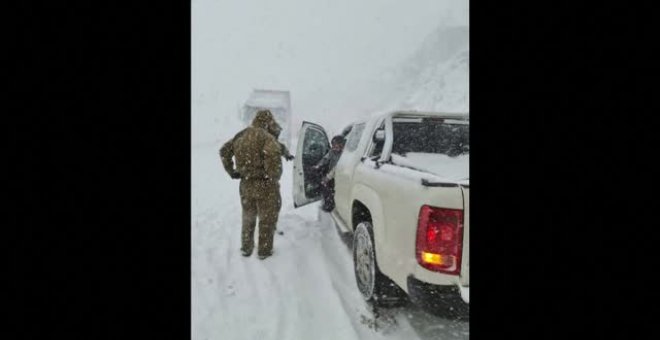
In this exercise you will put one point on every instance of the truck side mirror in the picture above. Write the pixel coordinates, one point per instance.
(379, 136)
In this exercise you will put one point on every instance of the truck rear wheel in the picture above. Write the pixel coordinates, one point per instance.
(374, 286)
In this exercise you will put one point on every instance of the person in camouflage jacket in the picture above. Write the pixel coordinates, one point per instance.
(259, 167)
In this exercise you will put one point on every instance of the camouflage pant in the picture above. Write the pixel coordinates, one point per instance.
(259, 198)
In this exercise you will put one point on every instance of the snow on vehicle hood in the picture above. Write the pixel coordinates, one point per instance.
(455, 169)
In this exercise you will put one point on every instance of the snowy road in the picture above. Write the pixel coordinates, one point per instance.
(306, 290)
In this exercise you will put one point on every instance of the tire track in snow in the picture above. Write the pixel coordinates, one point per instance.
(281, 320)
(318, 278)
(204, 279)
(339, 262)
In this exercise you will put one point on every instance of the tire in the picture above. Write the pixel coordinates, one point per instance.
(375, 287)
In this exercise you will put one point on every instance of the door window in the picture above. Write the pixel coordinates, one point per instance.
(314, 148)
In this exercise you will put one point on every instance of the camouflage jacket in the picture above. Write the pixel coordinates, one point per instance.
(256, 151)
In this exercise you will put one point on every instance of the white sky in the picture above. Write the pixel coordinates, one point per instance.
(331, 54)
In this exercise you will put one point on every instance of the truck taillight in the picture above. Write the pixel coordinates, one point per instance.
(440, 239)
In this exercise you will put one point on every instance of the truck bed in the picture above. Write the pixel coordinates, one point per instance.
(440, 167)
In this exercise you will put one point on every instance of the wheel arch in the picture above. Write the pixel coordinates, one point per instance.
(367, 206)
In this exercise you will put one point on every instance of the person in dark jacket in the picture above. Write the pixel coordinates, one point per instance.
(327, 165)
(259, 167)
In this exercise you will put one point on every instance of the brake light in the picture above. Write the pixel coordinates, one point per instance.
(440, 239)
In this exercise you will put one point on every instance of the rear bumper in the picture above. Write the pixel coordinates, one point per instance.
(438, 299)
(465, 293)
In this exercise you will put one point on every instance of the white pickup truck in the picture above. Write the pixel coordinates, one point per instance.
(402, 191)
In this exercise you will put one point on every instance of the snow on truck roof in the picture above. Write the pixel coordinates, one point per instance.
(417, 114)
(422, 114)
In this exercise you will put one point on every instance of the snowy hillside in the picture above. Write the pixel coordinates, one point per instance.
(436, 76)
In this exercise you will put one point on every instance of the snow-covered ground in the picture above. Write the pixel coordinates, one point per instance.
(306, 290)
(341, 62)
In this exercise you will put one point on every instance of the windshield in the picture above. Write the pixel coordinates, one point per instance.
(448, 137)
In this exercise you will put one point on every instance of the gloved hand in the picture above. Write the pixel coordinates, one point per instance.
(235, 175)
(289, 157)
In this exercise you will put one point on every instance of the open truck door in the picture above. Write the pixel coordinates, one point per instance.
(312, 145)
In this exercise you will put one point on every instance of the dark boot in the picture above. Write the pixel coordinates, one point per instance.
(263, 256)
(328, 204)
(327, 207)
